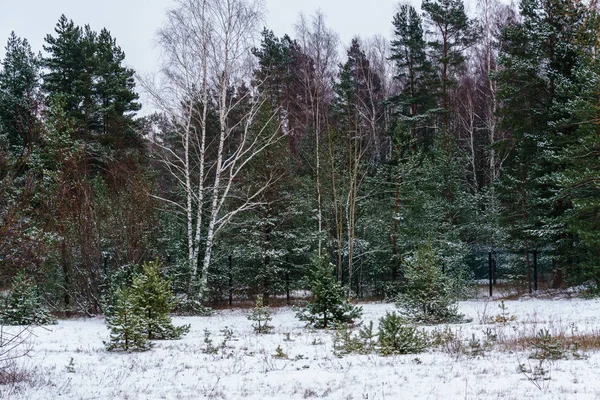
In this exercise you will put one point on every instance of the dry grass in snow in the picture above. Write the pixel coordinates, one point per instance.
(222, 358)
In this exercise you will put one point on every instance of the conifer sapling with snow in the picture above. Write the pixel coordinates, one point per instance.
(154, 298)
(428, 295)
(126, 323)
(329, 306)
(261, 316)
(141, 312)
(23, 305)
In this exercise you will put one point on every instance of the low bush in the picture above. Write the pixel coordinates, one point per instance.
(140, 313)
(394, 336)
(23, 305)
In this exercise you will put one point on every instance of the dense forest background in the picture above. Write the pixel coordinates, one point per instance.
(479, 137)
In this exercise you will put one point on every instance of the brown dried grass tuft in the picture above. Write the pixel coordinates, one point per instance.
(11, 373)
(569, 341)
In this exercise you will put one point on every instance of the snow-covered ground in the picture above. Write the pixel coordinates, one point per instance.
(69, 361)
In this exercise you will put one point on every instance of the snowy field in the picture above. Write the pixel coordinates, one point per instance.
(69, 360)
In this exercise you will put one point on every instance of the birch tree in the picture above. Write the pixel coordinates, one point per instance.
(206, 59)
(357, 143)
(320, 44)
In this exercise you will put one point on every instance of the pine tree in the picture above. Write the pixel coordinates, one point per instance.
(19, 74)
(126, 323)
(415, 104)
(355, 148)
(114, 91)
(85, 69)
(329, 305)
(396, 336)
(576, 162)
(23, 304)
(140, 312)
(65, 66)
(453, 33)
(153, 299)
(428, 295)
(539, 55)
(261, 317)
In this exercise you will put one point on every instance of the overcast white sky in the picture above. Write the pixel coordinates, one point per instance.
(134, 22)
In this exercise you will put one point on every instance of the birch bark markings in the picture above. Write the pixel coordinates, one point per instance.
(207, 46)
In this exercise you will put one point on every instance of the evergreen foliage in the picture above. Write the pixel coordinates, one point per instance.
(142, 310)
(396, 336)
(19, 85)
(452, 33)
(329, 306)
(23, 305)
(85, 69)
(126, 323)
(428, 295)
(154, 299)
(415, 104)
(261, 317)
(400, 142)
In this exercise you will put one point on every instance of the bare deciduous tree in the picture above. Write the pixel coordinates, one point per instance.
(320, 44)
(207, 57)
(14, 344)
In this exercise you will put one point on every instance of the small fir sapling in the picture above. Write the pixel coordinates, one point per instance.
(329, 306)
(261, 317)
(23, 305)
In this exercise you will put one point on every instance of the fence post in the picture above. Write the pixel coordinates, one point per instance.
(495, 267)
(535, 271)
(491, 272)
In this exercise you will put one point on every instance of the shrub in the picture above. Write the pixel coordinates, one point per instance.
(394, 336)
(329, 306)
(155, 300)
(126, 323)
(429, 295)
(397, 337)
(23, 305)
(261, 316)
(344, 342)
(547, 347)
(140, 313)
(14, 344)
